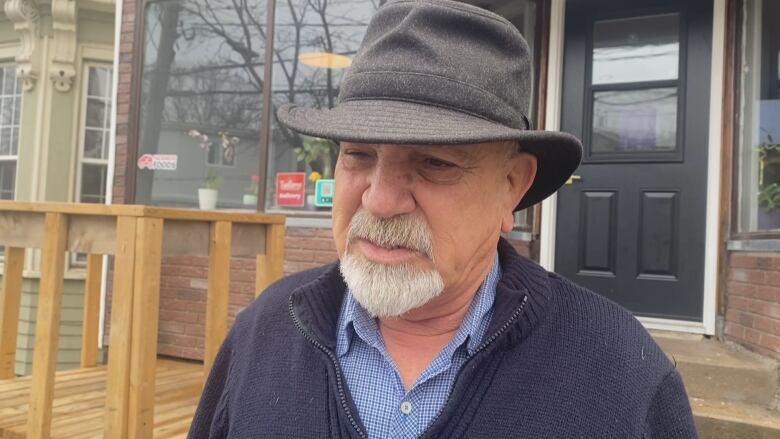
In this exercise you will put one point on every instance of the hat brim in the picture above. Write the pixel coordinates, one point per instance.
(398, 122)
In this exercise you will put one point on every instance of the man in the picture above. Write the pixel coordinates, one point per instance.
(431, 325)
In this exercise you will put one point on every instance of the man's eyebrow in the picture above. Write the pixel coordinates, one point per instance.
(461, 152)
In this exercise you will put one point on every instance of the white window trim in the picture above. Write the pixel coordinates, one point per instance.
(80, 159)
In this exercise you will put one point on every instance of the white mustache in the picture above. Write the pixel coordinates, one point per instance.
(407, 231)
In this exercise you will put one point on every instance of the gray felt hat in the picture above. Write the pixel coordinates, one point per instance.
(441, 72)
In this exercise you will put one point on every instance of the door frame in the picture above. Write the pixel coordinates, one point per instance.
(711, 248)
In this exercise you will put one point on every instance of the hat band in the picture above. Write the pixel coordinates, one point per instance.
(440, 91)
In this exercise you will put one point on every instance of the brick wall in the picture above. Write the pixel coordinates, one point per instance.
(753, 301)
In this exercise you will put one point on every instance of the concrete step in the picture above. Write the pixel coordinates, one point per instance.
(715, 371)
(724, 420)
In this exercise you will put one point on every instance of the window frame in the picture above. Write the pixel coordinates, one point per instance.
(735, 69)
(80, 159)
(541, 46)
(19, 99)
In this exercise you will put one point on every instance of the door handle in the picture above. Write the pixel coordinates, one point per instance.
(573, 178)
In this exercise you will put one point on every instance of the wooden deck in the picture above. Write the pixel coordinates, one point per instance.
(78, 409)
(134, 396)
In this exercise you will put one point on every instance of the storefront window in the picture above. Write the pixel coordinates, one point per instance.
(314, 42)
(758, 123)
(201, 103)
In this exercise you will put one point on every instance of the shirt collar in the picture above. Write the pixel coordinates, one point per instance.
(354, 320)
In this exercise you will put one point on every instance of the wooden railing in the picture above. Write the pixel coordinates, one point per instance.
(138, 237)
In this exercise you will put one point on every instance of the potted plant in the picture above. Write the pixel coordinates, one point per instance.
(207, 194)
(768, 183)
(768, 203)
(318, 154)
(250, 197)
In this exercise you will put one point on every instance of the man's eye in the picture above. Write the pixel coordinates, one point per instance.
(438, 164)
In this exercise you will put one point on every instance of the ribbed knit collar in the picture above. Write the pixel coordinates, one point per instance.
(317, 304)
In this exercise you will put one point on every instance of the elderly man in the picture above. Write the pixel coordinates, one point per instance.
(431, 325)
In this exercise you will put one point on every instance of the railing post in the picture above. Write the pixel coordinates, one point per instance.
(10, 298)
(270, 266)
(47, 330)
(146, 318)
(91, 319)
(220, 244)
(118, 383)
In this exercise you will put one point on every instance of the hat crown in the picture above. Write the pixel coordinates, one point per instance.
(447, 54)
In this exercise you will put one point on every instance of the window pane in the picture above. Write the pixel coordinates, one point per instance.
(636, 49)
(93, 144)
(99, 82)
(312, 56)
(96, 113)
(758, 130)
(93, 183)
(201, 100)
(7, 180)
(634, 121)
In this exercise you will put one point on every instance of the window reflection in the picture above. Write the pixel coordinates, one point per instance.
(203, 73)
(636, 49)
(634, 121)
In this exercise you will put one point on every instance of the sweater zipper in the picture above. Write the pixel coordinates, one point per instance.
(336, 365)
(481, 348)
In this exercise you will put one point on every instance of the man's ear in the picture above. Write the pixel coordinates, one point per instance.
(521, 171)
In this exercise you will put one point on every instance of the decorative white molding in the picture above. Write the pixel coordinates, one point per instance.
(63, 64)
(25, 16)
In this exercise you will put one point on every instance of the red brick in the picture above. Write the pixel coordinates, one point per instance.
(735, 330)
(745, 275)
(171, 327)
(741, 289)
(306, 232)
(771, 343)
(767, 293)
(767, 325)
(752, 336)
(772, 278)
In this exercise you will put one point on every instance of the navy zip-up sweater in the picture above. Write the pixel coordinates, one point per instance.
(558, 361)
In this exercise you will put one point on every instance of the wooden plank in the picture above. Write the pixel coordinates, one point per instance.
(118, 386)
(92, 234)
(220, 238)
(270, 266)
(186, 238)
(72, 208)
(47, 329)
(91, 320)
(10, 298)
(21, 229)
(146, 317)
(248, 240)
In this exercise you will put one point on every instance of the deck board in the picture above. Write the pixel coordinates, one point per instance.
(78, 409)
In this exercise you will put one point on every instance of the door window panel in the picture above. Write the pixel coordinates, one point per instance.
(634, 121)
(636, 49)
(633, 92)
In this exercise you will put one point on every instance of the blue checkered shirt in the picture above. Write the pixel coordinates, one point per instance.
(387, 410)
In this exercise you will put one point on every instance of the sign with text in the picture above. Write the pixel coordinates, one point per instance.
(324, 191)
(291, 189)
(158, 162)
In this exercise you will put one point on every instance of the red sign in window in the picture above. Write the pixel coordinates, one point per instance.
(290, 189)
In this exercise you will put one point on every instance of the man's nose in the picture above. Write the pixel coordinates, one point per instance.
(389, 191)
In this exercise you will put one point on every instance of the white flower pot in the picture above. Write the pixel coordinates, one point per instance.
(207, 198)
(250, 200)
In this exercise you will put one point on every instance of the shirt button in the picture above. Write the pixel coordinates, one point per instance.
(406, 407)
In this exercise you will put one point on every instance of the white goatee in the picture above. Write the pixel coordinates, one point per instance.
(390, 290)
